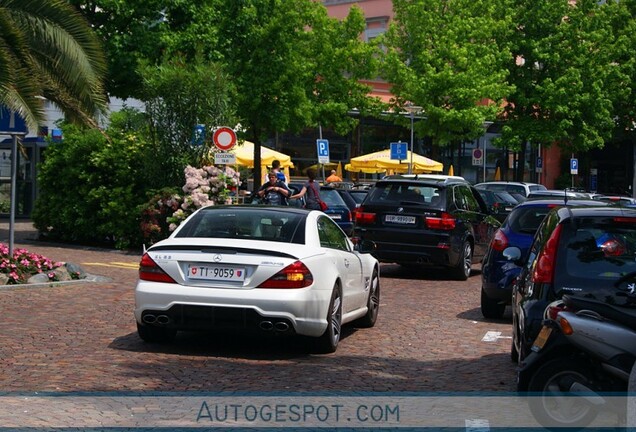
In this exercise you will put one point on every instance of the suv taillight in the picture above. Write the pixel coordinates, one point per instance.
(150, 271)
(445, 222)
(364, 218)
(544, 268)
(295, 275)
(499, 241)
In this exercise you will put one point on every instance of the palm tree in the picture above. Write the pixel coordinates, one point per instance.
(48, 50)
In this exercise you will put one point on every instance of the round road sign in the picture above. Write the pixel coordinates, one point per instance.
(477, 153)
(224, 138)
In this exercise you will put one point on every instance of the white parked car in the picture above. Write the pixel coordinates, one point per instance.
(521, 188)
(276, 270)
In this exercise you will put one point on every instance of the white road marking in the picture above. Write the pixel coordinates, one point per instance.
(477, 425)
(493, 336)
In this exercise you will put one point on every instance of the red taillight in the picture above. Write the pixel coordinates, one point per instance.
(295, 275)
(150, 271)
(499, 241)
(622, 219)
(544, 268)
(445, 222)
(364, 218)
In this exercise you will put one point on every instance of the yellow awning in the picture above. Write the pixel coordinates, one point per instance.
(245, 157)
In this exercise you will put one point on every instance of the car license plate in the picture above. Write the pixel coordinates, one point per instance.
(400, 219)
(541, 339)
(335, 216)
(213, 272)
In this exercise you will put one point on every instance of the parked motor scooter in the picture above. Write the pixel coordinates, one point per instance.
(583, 354)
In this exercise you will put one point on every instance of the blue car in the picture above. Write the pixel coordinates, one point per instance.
(500, 270)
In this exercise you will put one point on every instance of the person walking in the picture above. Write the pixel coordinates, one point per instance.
(333, 177)
(276, 169)
(275, 191)
(311, 189)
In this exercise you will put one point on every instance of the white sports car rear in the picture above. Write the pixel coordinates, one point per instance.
(257, 268)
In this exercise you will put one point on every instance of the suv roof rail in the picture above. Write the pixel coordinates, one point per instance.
(429, 177)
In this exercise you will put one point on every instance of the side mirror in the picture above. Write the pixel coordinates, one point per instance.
(512, 253)
(363, 246)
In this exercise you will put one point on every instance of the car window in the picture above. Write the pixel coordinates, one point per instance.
(358, 196)
(396, 193)
(248, 223)
(331, 236)
(465, 199)
(527, 219)
(332, 198)
(536, 187)
(598, 251)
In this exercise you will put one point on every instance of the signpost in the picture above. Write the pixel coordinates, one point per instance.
(478, 157)
(322, 147)
(539, 165)
(399, 150)
(12, 124)
(224, 139)
(574, 166)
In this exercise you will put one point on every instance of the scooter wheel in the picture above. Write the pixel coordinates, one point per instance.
(552, 400)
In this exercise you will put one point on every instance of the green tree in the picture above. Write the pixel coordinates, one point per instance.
(91, 186)
(48, 50)
(178, 96)
(564, 73)
(292, 65)
(448, 57)
(147, 32)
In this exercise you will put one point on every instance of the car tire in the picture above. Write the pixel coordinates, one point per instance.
(547, 408)
(492, 309)
(514, 354)
(462, 270)
(155, 334)
(373, 302)
(328, 342)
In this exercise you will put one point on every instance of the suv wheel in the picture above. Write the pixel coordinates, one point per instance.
(462, 270)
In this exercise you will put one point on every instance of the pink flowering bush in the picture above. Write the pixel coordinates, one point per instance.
(203, 186)
(23, 264)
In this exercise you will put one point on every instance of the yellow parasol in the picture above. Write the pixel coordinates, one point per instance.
(451, 172)
(381, 161)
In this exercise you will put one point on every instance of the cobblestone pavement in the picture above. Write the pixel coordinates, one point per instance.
(82, 337)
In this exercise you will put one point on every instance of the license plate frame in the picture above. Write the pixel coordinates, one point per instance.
(400, 219)
(541, 338)
(215, 273)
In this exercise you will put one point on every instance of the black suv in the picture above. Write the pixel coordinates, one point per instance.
(428, 221)
(579, 251)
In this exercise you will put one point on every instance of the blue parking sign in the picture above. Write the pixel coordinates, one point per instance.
(322, 146)
(398, 150)
(574, 166)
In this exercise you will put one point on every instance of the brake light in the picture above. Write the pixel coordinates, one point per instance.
(150, 271)
(499, 241)
(295, 275)
(364, 218)
(622, 219)
(544, 268)
(445, 222)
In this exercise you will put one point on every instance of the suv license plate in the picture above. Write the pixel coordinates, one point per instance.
(400, 219)
(541, 339)
(211, 272)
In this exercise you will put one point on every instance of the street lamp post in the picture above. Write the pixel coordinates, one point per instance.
(412, 109)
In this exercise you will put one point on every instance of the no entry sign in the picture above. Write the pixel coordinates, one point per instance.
(224, 138)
